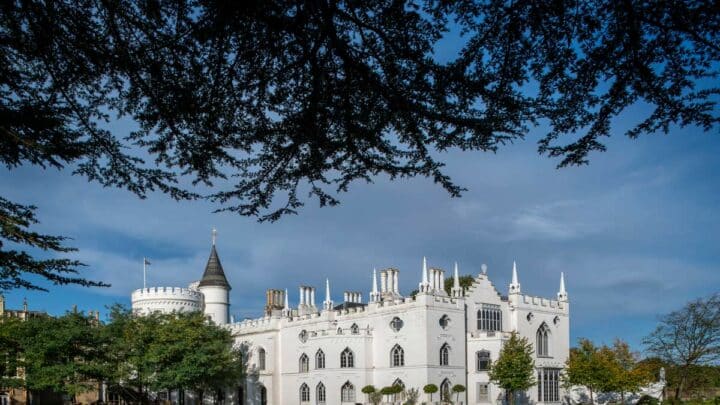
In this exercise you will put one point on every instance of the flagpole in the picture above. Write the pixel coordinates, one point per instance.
(144, 272)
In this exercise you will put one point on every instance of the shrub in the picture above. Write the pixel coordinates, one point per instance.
(648, 400)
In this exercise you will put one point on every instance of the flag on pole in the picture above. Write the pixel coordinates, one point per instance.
(147, 262)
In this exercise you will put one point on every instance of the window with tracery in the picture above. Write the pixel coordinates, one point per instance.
(347, 358)
(320, 359)
(397, 356)
(320, 393)
(347, 392)
(541, 341)
(445, 355)
(304, 393)
(489, 318)
(304, 363)
(396, 324)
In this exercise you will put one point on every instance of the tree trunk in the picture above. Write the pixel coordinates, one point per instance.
(511, 397)
(592, 401)
(678, 390)
(622, 397)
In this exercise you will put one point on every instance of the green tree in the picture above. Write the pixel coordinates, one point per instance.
(168, 351)
(60, 354)
(367, 390)
(430, 389)
(458, 389)
(465, 283)
(10, 352)
(264, 101)
(588, 366)
(688, 337)
(189, 353)
(514, 369)
(625, 375)
(376, 397)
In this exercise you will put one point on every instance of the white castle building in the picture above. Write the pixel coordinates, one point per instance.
(326, 353)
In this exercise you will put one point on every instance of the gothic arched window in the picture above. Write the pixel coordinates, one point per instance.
(482, 360)
(354, 329)
(445, 388)
(541, 341)
(445, 355)
(320, 359)
(261, 359)
(347, 359)
(489, 318)
(320, 393)
(263, 395)
(304, 393)
(304, 363)
(397, 356)
(347, 392)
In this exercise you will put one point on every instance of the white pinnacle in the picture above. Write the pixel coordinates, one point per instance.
(287, 304)
(456, 278)
(425, 272)
(562, 284)
(327, 290)
(514, 274)
(374, 290)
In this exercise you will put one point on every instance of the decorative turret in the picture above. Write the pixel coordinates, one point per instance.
(456, 290)
(215, 288)
(562, 294)
(327, 304)
(515, 284)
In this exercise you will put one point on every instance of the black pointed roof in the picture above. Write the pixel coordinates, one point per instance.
(214, 274)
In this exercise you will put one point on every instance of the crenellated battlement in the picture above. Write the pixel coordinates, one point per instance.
(166, 293)
(540, 302)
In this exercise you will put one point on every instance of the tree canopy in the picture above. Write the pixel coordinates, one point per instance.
(132, 354)
(268, 104)
(514, 370)
(688, 337)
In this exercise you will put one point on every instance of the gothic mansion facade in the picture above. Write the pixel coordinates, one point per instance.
(325, 354)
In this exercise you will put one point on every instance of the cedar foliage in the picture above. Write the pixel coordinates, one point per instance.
(268, 104)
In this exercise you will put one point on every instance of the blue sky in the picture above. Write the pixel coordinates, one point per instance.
(636, 233)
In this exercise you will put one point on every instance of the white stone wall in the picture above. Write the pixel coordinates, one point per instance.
(421, 339)
(166, 300)
(217, 303)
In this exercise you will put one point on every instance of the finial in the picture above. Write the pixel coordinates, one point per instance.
(562, 294)
(25, 305)
(374, 284)
(287, 304)
(483, 268)
(515, 284)
(214, 235)
(456, 277)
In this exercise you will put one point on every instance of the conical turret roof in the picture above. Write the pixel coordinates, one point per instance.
(214, 274)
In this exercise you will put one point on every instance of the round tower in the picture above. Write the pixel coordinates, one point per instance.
(215, 289)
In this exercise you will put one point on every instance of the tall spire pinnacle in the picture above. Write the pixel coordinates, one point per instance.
(515, 284)
(327, 304)
(287, 301)
(424, 284)
(456, 290)
(374, 290)
(562, 294)
(214, 236)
